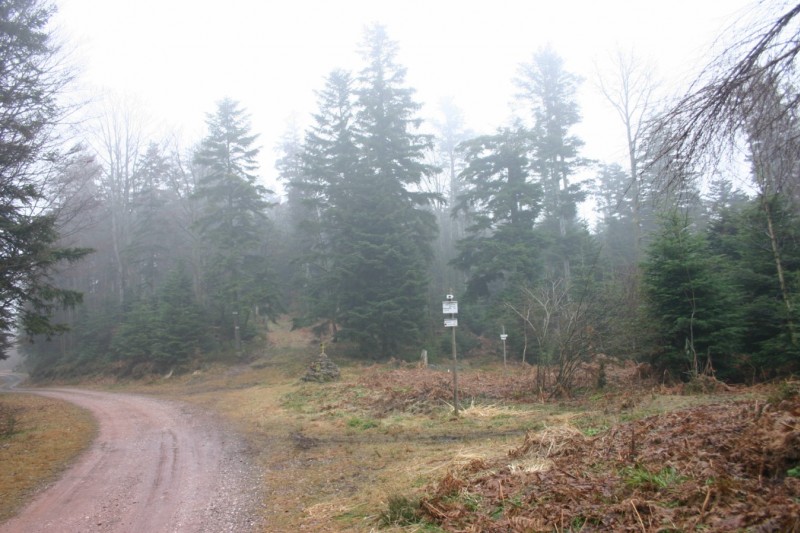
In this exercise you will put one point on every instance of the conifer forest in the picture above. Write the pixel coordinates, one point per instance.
(130, 254)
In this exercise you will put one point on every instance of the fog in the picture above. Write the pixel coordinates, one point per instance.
(177, 58)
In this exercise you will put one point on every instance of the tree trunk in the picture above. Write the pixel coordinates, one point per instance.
(776, 254)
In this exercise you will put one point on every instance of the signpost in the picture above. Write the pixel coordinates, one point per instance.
(503, 338)
(237, 334)
(450, 307)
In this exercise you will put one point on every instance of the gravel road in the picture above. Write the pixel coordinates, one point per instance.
(155, 466)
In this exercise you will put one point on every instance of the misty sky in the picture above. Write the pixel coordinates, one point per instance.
(178, 57)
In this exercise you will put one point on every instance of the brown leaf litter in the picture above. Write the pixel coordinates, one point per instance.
(720, 467)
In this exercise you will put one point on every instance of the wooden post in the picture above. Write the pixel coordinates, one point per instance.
(503, 337)
(455, 374)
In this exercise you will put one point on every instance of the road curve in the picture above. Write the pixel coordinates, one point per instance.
(9, 380)
(155, 466)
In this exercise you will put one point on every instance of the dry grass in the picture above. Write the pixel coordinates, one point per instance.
(330, 461)
(47, 435)
(332, 455)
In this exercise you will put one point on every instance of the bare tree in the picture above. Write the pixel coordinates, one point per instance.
(562, 332)
(631, 93)
(723, 103)
(117, 140)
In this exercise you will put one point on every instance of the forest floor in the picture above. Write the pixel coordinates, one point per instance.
(381, 447)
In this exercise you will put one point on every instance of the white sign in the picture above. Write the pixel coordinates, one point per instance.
(450, 322)
(450, 307)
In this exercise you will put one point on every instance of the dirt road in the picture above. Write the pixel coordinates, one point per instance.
(155, 466)
(9, 380)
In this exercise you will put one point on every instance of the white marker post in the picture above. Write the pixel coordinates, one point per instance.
(450, 307)
(503, 338)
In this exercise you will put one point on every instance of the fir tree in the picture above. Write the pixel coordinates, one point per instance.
(152, 240)
(550, 92)
(504, 203)
(741, 236)
(690, 300)
(238, 277)
(384, 232)
(328, 162)
(182, 331)
(137, 338)
(31, 80)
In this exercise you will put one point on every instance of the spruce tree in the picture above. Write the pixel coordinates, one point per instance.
(238, 277)
(504, 203)
(450, 132)
(182, 327)
(618, 226)
(31, 80)
(137, 337)
(550, 91)
(741, 235)
(329, 160)
(690, 300)
(153, 243)
(382, 254)
(501, 252)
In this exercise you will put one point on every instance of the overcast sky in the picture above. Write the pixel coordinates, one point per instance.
(179, 57)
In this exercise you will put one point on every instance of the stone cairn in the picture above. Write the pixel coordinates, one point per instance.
(322, 369)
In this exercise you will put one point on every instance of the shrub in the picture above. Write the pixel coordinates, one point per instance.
(401, 511)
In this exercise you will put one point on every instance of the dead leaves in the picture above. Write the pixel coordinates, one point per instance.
(714, 467)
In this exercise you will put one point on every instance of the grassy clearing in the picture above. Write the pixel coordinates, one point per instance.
(39, 438)
(332, 462)
(356, 455)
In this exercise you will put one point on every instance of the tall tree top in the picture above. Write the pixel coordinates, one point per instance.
(235, 202)
(228, 147)
(30, 79)
(550, 91)
(30, 83)
(387, 120)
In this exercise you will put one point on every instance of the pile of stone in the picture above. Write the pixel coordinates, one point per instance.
(322, 370)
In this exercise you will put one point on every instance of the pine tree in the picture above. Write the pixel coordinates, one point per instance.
(689, 299)
(550, 92)
(504, 204)
(382, 253)
(31, 80)
(238, 276)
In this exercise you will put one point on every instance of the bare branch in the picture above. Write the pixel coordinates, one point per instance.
(723, 103)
